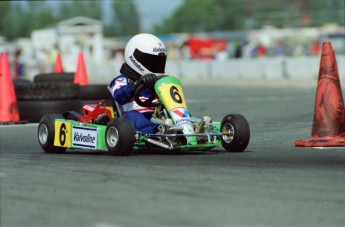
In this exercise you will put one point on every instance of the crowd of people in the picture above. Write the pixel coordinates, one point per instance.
(41, 59)
(242, 49)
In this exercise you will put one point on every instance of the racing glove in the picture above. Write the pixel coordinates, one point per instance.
(148, 79)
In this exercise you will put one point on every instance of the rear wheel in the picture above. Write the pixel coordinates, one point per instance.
(119, 137)
(46, 133)
(238, 133)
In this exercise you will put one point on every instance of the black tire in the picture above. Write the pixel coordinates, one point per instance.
(21, 81)
(46, 91)
(239, 130)
(102, 119)
(32, 111)
(46, 133)
(54, 77)
(120, 137)
(94, 92)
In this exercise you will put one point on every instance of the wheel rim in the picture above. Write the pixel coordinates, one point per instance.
(229, 129)
(43, 134)
(112, 137)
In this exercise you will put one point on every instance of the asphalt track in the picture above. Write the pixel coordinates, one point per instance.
(272, 183)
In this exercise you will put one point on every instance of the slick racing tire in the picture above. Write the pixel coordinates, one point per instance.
(238, 131)
(120, 137)
(46, 91)
(54, 77)
(46, 133)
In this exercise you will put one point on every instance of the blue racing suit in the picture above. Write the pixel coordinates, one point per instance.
(139, 116)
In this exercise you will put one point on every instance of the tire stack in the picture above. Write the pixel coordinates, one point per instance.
(93, 94)
(48, 93)
(55, 93)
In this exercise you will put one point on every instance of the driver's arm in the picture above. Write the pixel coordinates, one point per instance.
(122, 90)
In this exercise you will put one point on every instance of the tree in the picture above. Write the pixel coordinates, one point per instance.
(14, 21)
(329, 11)
(126, 19)
(192, 16)
(5, 8)
(204, 16)
(215, 15)
(19, 19)
(76, 8)
(40, 16)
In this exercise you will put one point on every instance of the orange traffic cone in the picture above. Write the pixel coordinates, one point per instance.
(58, 64)
(80, 76)
(8, 101)
(329, 113)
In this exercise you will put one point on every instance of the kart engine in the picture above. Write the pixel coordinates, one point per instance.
(95, 113)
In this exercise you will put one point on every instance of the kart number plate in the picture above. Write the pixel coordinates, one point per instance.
(62, 134)
(172, 96)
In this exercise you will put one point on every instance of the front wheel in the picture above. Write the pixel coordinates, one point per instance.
(46, 133)
(237, 132)
(119, 137)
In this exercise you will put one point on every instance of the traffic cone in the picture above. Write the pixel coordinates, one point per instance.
(80, 76)
(329, 113)
(8, 101)
(58, 64)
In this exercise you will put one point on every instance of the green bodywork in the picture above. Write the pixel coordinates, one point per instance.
(141, 143)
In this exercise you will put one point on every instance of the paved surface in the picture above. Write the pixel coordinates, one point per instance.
(272, 183)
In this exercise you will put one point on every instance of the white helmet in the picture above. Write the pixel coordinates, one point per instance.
(146, 53)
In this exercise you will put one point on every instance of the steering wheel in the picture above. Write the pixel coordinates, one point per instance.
(149, 101)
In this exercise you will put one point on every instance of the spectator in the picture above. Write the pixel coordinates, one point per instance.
(18, 64)
(42, 58)
(53, 53)
(279, 49)
(249, 50)
(238, 51)
(184, 51)
(299, 50)
(316, 48)
(221, 54)
(261, 51)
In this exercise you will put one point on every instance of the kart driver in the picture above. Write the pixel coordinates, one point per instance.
(145, 58)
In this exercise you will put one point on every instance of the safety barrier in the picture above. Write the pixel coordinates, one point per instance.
(290, 68)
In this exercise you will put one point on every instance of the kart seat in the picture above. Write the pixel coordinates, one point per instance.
(118, 109)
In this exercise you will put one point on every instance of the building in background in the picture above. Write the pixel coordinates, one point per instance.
(72, 36)
(82, 34)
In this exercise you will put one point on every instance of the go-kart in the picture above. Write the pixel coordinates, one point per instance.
(105, 129)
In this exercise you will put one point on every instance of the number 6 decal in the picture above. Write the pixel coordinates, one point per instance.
(175, 95)
(62, 134)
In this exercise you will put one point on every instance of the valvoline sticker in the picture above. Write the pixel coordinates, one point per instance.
(180, 115)
(84, 137)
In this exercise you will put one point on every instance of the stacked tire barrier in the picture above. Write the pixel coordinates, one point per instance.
(55, 93)
(92, 94)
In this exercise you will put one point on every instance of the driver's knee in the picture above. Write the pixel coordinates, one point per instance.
(141, 122)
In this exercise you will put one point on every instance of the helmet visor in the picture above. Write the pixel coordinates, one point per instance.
(153, 63)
